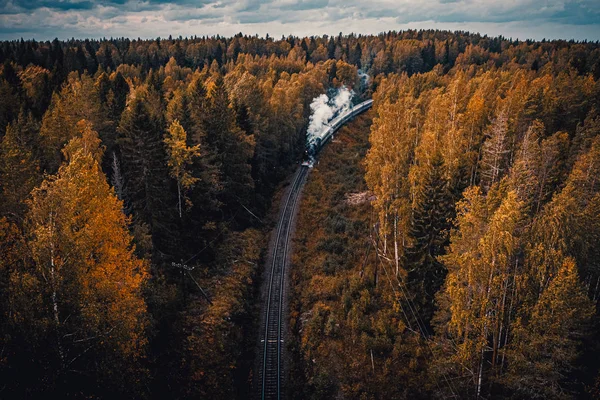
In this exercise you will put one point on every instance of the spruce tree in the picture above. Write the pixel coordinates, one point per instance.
(143, 156)
(429, 230)
(233, 146)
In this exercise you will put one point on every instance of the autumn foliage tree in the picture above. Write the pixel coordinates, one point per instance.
(19, 167)
(78, 99)
(481, 267)
(180, 158)
(83, 286)
(393, 140)
(547, 342)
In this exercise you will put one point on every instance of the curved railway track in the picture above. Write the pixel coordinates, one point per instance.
(273, 327)
(271, 364)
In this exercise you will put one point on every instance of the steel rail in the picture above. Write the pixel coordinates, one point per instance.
(283, 225)
(273, 324)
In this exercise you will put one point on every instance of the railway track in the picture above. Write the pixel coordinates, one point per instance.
(271, 369)
(271, 365)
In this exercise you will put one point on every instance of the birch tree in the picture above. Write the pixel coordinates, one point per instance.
(84, 270)
(181, 157)
(393, 138)
(481, 266)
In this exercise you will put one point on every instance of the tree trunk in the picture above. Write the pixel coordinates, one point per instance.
(179, 196)
(396, 244)
(54, 296)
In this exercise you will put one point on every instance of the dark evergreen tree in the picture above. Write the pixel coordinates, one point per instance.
(428, 56)
(91, 61)
(304, 47)
(429, 229)
(204, 195)
(120, 90)
(331, 49)
(143, 167)
(233, 146)
(8, 104)
(80, 60)
(219, 54)
(356, 55)
(243, 119)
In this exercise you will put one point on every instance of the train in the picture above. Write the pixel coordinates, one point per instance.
(313, 148)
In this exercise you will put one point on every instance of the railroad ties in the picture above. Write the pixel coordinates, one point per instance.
(274, 324)
(270, 372)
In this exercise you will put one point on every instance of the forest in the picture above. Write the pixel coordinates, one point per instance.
(446, 241)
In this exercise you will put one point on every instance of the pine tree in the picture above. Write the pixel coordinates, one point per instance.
(567, 225)
(393, 138)
(584, 136)
(524, 172)
(553, 154)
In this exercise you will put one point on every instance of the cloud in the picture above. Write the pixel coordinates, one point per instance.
(45, 19)
(308, 4)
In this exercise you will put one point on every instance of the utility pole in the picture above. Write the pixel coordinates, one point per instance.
(186, 269)
(183, 268)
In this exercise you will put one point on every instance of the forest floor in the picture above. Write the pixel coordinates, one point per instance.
(348, 148)
(328, 271)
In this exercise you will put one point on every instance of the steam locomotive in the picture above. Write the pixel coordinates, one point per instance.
(313, 148)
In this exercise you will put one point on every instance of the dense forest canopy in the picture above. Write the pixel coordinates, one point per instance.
(136, 179)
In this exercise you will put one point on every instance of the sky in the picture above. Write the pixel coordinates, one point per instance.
(522, 19)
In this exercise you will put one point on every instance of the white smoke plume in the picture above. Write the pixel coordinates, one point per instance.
(324, 109)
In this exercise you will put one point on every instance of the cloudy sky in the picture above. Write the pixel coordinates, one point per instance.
(536, 19)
